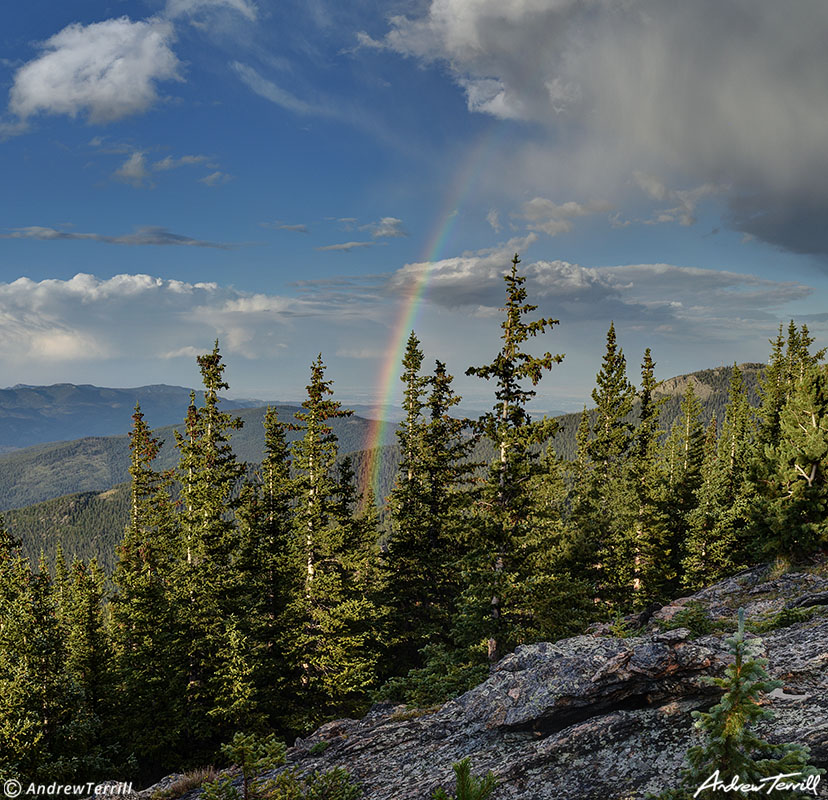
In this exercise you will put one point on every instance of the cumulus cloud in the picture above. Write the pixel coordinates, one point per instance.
(133, 170)
(554, 218)
(149, 235)
(385, 228)
(714, 304)
(107, 70)
(617, 88)
(89, 318)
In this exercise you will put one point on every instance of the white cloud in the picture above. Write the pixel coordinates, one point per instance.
(177, 8)
(281, 226)
(216, 178)
(133, 170)
(684, 212)
(554, 218)
(493, 218)
(385, 228)
(89, 318)
(270, 91)
(715, 305)
(168, 162)
(107, 70)
(188, 351)
(346, 246)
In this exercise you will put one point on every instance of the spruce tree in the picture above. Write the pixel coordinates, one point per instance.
(88, 648)
(426, 505)
(147, 626)
(46, 730)
(719, 527)
(612, 491)
(613, 398)
(330, 645)
(645, 541)
(270, 578)
(682, 464)
(208, 582)
(494, 600)
(794, 511)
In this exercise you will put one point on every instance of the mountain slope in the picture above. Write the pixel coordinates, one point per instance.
(31, 415)
(94, 464)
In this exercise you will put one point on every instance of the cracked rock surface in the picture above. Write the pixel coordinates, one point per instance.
(594, 717)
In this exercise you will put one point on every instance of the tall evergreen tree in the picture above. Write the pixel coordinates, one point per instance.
(46, 730)
(719, 527)
(613, 502)
(789, 360)
(793, 510)
(613, 398)
(645, 535)
(330, 645)
(426, 504)
(147, 627)
(208, 582)
(682, 463)
(270, 578)
(495, 600)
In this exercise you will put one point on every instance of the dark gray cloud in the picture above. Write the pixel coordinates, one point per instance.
(721, 97)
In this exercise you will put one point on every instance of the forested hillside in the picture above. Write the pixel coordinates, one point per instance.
(95, 464)
(272, 598)
(88, 525)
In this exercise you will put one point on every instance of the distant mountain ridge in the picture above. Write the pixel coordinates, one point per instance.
(97, 463)
(31, 415)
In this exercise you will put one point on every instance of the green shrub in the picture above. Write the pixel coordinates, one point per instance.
(220, 789)
(693, 617)
(783, 619)
(291, 785)
(446, 674)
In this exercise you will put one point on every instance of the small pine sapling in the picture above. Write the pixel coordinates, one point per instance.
(253, 754)
(732, 752)
(469, 787)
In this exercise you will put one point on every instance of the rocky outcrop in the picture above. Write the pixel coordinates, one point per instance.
(594, 716)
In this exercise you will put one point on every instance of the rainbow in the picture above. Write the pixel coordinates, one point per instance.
(388, 381)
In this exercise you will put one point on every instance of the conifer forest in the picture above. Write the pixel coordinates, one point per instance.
(273, 597)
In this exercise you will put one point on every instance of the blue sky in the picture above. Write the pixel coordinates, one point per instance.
(280, 175)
